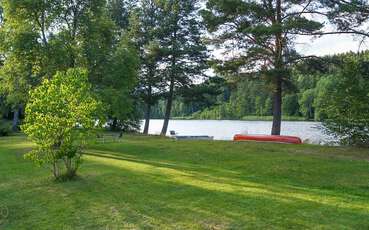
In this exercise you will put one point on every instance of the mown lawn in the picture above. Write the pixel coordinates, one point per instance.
(157, 183)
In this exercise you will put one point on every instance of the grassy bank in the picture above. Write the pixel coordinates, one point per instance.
(156, 183)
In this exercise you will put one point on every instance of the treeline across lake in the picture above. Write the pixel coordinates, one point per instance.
(251, 98)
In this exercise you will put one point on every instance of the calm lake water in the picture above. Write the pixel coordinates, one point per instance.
(225, 129)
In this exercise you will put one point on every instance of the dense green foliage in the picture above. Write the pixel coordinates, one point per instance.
(5, 128)
(59, 115)
(118, 85)
(196, 98)
(37, 39)
(157, 183)
(248, 97)
(343, 101)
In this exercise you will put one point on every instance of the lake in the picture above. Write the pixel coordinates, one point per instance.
(309, 132)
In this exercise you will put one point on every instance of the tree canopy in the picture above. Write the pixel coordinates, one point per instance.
(343, 101)
(41, 38)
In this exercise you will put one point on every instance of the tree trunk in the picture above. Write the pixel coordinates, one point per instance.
(168, 108)
(15, 118)
(277, 108)
(70, 170)
(148, 110)
(279, 67)
(147, 119)
(173, 75)
(55, 170)
(114, 125)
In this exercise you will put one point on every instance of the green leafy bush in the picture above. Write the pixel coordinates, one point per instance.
(5, 128)
(343, 101)
(60, 114)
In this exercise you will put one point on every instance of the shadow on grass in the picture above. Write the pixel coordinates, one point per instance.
(230, 184)
(238, 197)
(147, 187)
(184, 198)
(293, 172)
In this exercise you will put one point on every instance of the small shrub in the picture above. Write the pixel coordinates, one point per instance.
(60, 115)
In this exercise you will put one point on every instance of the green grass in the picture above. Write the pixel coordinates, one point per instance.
(157, 183)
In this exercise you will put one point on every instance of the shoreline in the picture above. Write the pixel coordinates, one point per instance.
(251, 118)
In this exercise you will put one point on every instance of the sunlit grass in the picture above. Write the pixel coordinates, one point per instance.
(156, 183)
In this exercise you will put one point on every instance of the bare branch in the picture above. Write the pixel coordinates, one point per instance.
(294, 60)
(352, 31)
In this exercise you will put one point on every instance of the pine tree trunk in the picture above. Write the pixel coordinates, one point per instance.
(173, 74)
(277, 108)
(147, 119)
(15, 118)
(168, 109)
(279, 66)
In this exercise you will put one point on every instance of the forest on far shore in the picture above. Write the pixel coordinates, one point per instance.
(250, 98)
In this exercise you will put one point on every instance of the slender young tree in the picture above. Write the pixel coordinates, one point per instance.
(183, 52)
(259, 37)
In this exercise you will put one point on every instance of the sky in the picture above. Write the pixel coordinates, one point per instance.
(329, 44)
(325, 45)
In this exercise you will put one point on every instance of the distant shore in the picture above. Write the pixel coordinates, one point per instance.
(245, 118)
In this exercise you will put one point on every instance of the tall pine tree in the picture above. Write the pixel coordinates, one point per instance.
(259, 37)
(183, 52)
(144, 32)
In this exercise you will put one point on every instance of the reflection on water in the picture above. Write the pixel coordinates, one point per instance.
(225, 129)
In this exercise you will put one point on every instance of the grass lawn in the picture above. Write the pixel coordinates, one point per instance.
(157, 183)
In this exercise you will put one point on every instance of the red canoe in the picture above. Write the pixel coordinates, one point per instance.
(268, 138)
